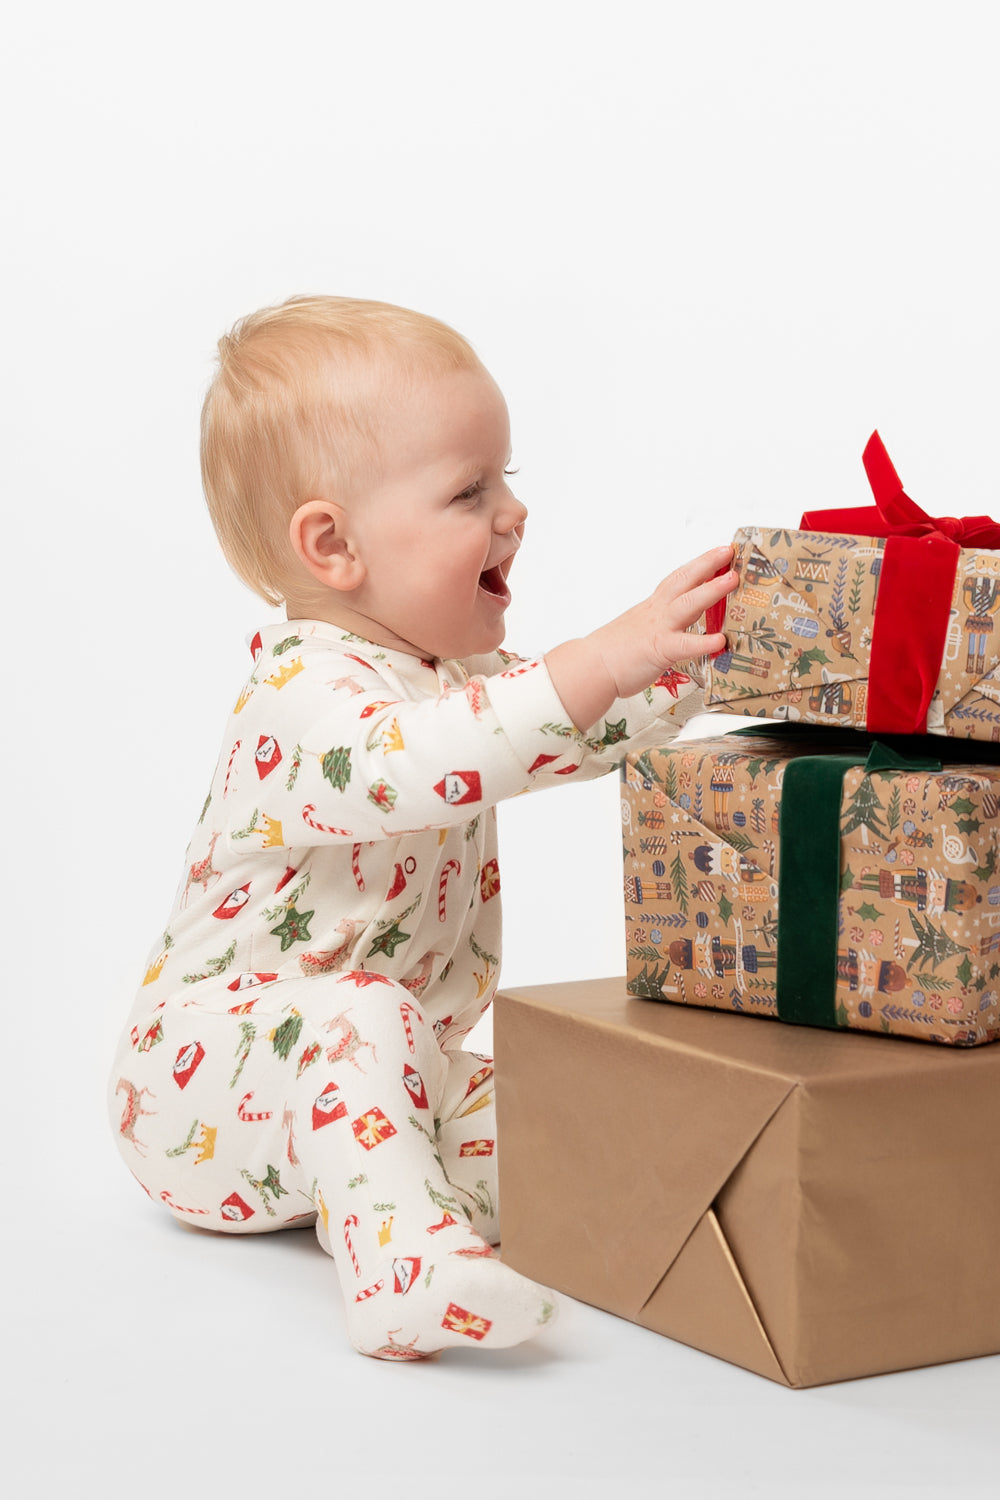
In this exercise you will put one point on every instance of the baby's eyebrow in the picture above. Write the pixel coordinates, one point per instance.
(468, 474)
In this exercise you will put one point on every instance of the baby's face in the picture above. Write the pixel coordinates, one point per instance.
(439, 528)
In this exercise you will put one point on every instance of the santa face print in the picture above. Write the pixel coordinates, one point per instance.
(439, 531)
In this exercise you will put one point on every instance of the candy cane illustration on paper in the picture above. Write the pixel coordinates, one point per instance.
(167, 1198)
(369, 1291)
(359, 879)
(249, 1114)
(307, 817)
(406, 1010)
(229, 768)
(351, 1222)
(452, 864)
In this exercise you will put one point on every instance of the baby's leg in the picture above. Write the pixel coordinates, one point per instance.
(200, 1098)
(414, 1273)
(467, 1139)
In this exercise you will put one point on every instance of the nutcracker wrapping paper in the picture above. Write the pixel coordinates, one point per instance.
(877, 617)
(826, 880)
(811, 1205)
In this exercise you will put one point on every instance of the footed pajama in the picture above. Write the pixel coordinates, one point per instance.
(295, 1050)
(332, 1100)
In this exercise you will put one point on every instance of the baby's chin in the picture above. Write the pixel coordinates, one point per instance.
(477, 643)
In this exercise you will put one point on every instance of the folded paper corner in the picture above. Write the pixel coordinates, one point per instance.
(702, 1300)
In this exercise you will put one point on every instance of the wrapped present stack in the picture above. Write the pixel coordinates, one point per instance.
(787, 1196)
(832, 873)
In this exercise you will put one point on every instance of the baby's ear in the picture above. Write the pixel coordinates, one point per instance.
(319, 537)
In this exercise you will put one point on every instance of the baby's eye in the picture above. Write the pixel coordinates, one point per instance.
(472, 492)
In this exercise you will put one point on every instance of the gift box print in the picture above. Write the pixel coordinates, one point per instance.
(848, 888)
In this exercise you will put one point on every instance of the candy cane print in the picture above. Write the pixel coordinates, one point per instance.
(369, 1291)
(351, 1222)
(229, 768)
(168, 1200)
(452, 864)
(406, 1010)
(307, 812)
(359, 879)
(249, 1114)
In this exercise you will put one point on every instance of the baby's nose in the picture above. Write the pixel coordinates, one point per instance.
(514, 518)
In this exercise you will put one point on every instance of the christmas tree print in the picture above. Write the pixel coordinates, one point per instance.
(864, 808)
(336, 767)
(933, 943)
(644, 767)
(284, 1037)
(648, 985)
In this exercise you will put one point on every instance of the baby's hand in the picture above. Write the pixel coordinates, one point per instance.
(628, 654)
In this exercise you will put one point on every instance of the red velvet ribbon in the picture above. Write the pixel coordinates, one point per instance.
(915, 586)
(916, 580)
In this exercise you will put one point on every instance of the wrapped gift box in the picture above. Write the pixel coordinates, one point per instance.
(811, 1205)
(827, 881)
(879, 618)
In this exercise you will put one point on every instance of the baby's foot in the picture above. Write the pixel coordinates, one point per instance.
(459, 1295)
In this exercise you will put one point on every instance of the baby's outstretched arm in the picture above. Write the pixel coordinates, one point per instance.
(628, 654)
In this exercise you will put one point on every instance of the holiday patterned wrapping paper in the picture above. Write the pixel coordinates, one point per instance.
(799, 632)
(916, 950)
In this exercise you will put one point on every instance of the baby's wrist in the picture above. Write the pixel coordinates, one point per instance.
(582, 679)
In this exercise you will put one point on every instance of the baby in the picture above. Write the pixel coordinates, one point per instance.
(294, 1054)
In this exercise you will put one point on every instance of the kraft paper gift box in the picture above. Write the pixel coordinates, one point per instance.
(826, 879)
(874, 617)
(811, 1205)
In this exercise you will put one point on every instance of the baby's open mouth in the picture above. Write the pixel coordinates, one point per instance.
(493, 582)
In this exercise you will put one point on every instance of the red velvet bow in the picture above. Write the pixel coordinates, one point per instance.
(895, 514)
(915, 586)
(913, 604)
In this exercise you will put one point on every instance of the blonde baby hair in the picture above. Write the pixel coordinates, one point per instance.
(292, 414)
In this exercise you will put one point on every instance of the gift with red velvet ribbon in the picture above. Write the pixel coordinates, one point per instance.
(914, 591)
(916, 582)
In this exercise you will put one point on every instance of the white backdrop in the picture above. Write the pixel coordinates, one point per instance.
(704, 248)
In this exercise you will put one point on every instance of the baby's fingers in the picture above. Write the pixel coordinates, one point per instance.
(686, 594)
(704, 569)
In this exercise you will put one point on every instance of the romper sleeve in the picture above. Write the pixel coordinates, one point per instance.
(370, 765)
(527, 705)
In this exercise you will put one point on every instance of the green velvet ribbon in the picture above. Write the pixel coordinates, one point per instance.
(809, 876)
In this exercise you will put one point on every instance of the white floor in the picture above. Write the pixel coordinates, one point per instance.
(142, 1358)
